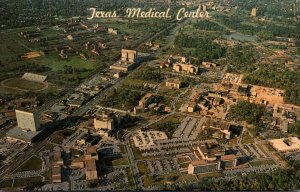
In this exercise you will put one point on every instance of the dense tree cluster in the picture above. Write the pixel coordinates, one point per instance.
(208, 25)
(249, 112)
(281, 179)
(202, 48)
(298, 37)
(294, 128)
(168, 127)
(147, 74)
(121, 98)
(241, 59)
(279, 77)
(238, 23)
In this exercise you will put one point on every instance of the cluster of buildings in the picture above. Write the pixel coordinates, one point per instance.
(95, 47)
(88, 162)
(174, 83)
(180, 65)
(216, 101)
(211, 159)
(57, 165)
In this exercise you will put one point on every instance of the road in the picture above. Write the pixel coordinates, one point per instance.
(34, 148)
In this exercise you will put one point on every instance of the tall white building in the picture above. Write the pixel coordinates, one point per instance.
(28, 120)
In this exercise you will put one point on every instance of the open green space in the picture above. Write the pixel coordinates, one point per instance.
(18, 83)
(34, 163)
(161, 180)
(116, 161)
(53, 61)
(168, 125)
(28, 182)
(142, 166)
(262, 162)
(247, 138)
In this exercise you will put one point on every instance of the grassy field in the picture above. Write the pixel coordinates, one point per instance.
(18, 83)
(168, 91)
(53, 61)
(247, 138)
(142, 166)
(168, 125)
(262, 162)
(161, 180)
(30, 181)
(137, 153)
(116, 161)
(34, 163)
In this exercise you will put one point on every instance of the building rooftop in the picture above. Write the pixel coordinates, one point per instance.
(90, 165)
(228, 157)
(286, 144)
(22, 134)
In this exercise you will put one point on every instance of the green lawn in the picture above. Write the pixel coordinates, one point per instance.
(23, 84)
(116, 161)
(136, 152)
(247, 138)
(54, 61)
(168, 125)
(142, 166)
(161, 180)
(262, 162)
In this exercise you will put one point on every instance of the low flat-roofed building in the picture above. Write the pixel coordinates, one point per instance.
(146, 100)
(228, 161)
(138, 110)
(202, 166)
(174, 83)
(78, 162)
(209, 154)
(209, 64)
(34, 77)
(32, 54)
(90, 169)
(290, 144)
(185, 68)
(211, 160)
(57, 157)
(91, 153)
(17, 133)
(266, 95)
(192, 107)
(56, 173)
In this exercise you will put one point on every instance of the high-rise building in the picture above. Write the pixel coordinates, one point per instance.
(128, 56)
(28, 120)
(254, 12)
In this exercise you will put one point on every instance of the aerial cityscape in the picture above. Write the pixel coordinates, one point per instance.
(150, 95)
